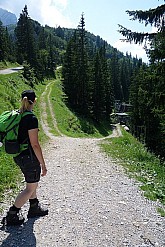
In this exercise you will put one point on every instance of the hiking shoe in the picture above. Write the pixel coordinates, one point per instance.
(36, 210)
(13, 218)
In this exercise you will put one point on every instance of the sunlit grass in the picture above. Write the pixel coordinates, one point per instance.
(10, 174)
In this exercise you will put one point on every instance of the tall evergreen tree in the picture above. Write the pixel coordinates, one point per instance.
(2, 43)
(6, 51)
(99, 89)
(51, 58)
(83, 78)
(114, 72)
(148, 88)
(148, 100)
(42, 39)
(70, 73)
(9, 47)
(27, 50)
(76, 71)
(26, 46)
(108, 94)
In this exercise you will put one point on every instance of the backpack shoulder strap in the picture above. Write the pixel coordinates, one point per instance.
(26, 113)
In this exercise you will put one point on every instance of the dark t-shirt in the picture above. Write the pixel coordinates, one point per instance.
(27, 122)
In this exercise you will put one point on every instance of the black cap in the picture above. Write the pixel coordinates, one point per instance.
(30, 94)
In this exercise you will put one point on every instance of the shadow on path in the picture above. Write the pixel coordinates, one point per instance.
(16, 69)
(10, 70)
(18, 236)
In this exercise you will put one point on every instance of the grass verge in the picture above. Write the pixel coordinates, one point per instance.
(140, 164)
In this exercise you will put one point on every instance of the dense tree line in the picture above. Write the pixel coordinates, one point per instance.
(6, 45)
(95, 75)
(148, 86)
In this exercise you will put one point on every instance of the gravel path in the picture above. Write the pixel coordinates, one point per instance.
(92, 203)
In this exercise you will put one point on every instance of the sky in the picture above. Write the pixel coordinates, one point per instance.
(101, 17)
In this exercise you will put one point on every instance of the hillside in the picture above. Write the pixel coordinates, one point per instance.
(7, 18)
(60, 36)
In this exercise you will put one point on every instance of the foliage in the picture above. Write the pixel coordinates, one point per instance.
(76, 71)
(150, 17)
(92, 78)
(148, 99)
(6, 48)
(29, 75)
(147, 90)
(25, 38)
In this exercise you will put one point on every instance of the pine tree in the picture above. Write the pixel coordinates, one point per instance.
(83, 79)
(114, 73)
(2, 43)
(42, 39)
(151, 17)
(9, 53)
(76, 71)
(59, 32)
(107, 92)
(99, 90)
(51, 58)
(148, 88)
(26, 49)
(70, 73)
(6, 51)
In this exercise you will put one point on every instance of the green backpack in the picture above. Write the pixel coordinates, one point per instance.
(9, 125)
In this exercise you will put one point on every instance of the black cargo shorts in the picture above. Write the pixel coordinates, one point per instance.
(30, 167)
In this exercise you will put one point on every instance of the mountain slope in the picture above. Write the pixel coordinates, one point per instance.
(7, 18)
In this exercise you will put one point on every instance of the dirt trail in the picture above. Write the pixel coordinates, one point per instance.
(92, 203)
(46, 97)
